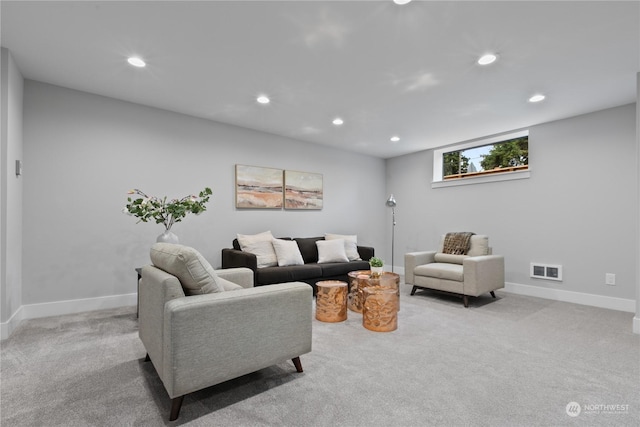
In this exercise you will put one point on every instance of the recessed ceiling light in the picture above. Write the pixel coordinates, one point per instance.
(263, 99)
(537, 98)
(401, 2)
(136, 61)
(487, 59)
(394, 139)
(338, 121)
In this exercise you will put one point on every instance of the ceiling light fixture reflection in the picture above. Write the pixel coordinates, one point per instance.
(401, 2)
(136, 61)
(487, 59)
(537, 98)
(263, 99)
(394, 138)
(338, 121)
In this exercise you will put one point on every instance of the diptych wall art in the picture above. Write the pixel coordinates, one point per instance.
(267, 188)
(258, 187)
(302, 190)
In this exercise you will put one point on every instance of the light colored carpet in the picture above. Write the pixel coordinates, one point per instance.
(512, 361)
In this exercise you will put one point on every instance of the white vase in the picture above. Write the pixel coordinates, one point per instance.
(167, 237)
(376, 271)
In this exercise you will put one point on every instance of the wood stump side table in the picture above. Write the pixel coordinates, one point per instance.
(331, 301)
(361, 279)
(380, 309)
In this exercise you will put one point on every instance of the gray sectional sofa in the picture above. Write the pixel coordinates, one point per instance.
(311, 272)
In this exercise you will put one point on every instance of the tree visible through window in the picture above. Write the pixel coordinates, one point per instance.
(503, 156)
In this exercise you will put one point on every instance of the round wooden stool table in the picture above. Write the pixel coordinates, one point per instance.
(331, 301)
(380, 309)
(361, 279)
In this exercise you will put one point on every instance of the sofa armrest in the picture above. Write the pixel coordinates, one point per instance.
(212, 338)
(240, 275)
(366, 252)
(232, 258)
(414, 259)
(483, 274)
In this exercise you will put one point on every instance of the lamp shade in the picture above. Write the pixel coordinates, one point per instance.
(391, 201)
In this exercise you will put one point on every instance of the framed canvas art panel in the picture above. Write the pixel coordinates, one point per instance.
(258, 187)
(302, 190)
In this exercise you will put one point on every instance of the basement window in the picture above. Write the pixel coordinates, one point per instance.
(500, 158)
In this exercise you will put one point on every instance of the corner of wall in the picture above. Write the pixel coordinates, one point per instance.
(11, 149)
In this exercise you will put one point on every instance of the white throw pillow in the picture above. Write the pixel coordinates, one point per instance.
(350, 244)
(287, 252)
(196, 275)
(260, 245)
(331, 251)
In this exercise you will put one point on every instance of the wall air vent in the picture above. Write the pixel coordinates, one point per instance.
(546, 271)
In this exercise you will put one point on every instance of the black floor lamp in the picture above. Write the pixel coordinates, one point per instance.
(391, 202)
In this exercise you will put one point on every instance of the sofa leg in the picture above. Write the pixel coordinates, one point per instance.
(176, 404)
(493, 294)
(297, 363)
(465, 301)
(413, 290)
(147, 358)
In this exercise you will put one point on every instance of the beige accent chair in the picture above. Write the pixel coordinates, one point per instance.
(473, 274)
(198, 341)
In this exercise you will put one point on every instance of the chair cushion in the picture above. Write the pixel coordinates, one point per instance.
(193, 271)
(479, 245)
(350, 244)
(260, 245)
(449, 258)
(331, 251)
(441, 271)
(228, 285)
(287, 252)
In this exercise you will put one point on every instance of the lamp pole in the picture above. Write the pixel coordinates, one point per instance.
(391, 202)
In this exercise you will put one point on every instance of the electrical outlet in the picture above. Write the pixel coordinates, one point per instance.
(610, 279)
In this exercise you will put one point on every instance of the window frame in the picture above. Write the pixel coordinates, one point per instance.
(507, 175)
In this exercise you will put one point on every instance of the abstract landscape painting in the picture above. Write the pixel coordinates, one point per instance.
(302, 190)
(258, 188)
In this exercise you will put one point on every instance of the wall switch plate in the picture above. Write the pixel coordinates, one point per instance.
(610, 279)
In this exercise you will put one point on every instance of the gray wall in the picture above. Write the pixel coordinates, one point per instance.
(83, 152)
(11, 201)
(578, 209)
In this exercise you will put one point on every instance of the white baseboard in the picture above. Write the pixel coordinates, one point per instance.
(59, 308)
(612, 303)
(7, 328)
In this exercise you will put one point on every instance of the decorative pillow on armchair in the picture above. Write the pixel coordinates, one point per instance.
(196, 275)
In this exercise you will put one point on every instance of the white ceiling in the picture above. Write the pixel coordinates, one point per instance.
(385, 69)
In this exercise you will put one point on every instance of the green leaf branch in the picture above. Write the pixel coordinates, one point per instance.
(150, 208)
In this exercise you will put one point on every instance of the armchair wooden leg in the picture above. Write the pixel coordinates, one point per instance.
(176, 404)
(493, 294)
(465, 301)
(413, 290)
(297, 363)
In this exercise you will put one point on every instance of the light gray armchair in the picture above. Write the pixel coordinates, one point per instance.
(201, 340)
(473, 274)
